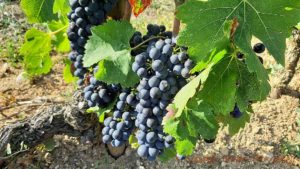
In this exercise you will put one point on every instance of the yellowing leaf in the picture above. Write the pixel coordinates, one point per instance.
(138, 6)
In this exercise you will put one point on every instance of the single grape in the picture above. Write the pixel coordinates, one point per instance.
(105, 130)
(240, 55)
(177, 69)
(236, 113)
(182, 56)
(164, 85)
(141, 135)
(154, 53)
(154, 81)
(159, 145)
(259, 48)
(107, 121)
(188, 64)
(144, 94)
(126, 115)
(113, 124)
(125, 135)
(79, 11)
(116, 134)
(153, 152)
(162, 28)
(151, 137)
(155, 92)
(117, 114)
(151, 123)
(123, 96)
(142, 72)
(174, 59)
(87, 95)
(140, 59)
(95, 97)
(142, 151)
(120, 105)
(185, 72)
(157, 65)
(130, 99)
(106, 139)
(209, 140)
(157, 111)
(167, 49)
(159, 44)
(147, 112)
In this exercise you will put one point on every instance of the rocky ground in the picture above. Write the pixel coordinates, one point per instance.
(259, 145)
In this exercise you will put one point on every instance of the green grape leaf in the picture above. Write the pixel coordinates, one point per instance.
(178, 128)
(298, 25)
(222, 48)
(214, 58)
(254, 65)
(39, 11)
(220, 87)
(100, 112)
(167, 154)
(113, 55)
(67, 74)
(36, 51)
(60, 39)
(230, 82)
(250, 87)
(108, 73)
(185, 147)
(201, 119)
(234, 125)
(171, 126)
(188, 91)
(270, 21)
(61, 7)
(133, 141)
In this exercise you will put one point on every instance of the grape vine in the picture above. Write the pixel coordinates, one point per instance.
(168, 92)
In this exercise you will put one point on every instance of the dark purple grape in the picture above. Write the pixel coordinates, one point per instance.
(259, 48)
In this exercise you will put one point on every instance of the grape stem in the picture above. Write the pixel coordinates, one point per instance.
(146, 41)
(58, 30)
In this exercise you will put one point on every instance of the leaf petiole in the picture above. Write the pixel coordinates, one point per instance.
(57, 31)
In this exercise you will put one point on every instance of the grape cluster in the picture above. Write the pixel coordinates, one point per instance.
(84, 15)
(100, 94)
(119, 127)
(161, 71)
(161, 78)
(154, 31)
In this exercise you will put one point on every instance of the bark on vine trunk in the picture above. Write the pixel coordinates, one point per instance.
(53, 120)
(50, 121)
(176, 22)
(122, 11)
(292, 60)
